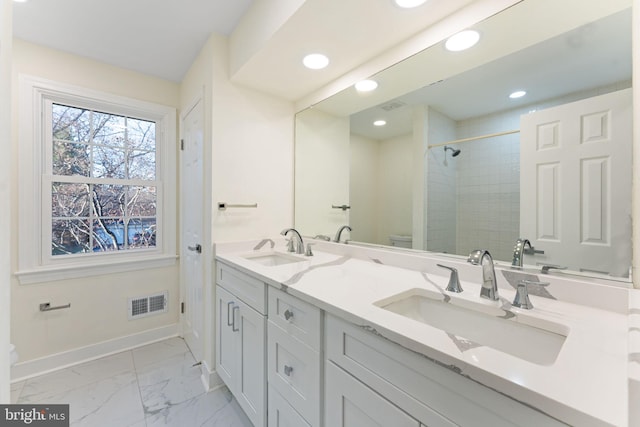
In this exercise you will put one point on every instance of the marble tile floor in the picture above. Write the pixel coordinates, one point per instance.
(154, 385)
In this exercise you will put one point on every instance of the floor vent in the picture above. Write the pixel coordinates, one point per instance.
(148, 305)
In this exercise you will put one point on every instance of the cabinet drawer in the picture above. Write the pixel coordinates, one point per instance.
(294, 371)
(298, 318)
(249, 289)
(349, 403)
(431, 393)
(281, 414)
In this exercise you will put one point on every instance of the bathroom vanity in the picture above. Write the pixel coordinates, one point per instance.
(355, 336)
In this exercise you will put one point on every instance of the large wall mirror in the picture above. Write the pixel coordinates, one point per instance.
(459, 165)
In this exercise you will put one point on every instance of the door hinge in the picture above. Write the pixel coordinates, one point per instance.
(181, 308)
(182, 144)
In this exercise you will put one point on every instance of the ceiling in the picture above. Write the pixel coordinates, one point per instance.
(158, 38)
(593, 55)
(162, 38)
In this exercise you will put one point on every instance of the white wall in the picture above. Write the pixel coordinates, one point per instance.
(5, 179)
(363, 189)
(636, 147)
(98, 310)
(248, 159)
(322, 172)
(261, 21)
(395, 201)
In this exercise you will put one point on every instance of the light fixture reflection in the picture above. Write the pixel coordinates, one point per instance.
(517, 94)
(408, 4)
(366, 85)
(315, 61)
(463, 40)
(379, 123)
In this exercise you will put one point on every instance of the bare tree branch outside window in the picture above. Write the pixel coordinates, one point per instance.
(104, 192)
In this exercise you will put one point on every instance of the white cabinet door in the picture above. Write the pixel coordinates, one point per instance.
(241, 354)
(226, 348)
(281, 414)
(349, 403)
(575, 180)
(250, 333)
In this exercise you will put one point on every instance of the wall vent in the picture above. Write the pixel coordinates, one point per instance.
(392, 105)
(148, 305)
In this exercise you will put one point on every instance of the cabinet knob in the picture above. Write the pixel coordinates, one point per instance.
(288, 314)
(288, 370)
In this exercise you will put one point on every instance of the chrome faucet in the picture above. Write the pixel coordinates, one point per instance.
(522, 294)
(296, 245)
(489, 288)
(339, 233)
(519, 250)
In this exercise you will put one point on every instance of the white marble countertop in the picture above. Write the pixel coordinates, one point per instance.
(585, 386)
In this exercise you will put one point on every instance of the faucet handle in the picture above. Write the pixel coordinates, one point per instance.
(454, 281)
(545, 268)
(309, 252)
(522, 293)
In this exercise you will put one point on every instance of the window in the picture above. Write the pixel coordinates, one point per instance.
(103, 185)
(97, 188)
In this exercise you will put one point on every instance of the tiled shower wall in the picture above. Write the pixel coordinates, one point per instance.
(488, 185)
(440, 221)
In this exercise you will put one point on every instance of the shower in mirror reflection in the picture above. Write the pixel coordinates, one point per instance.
(454, 153)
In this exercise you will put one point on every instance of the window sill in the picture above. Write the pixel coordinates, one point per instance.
(73, 271)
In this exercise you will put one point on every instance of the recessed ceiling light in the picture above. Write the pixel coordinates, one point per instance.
(379, 123)
(366, 85)
(463, 40)
(518, 94)
(408, 4)
(315, 61)
(20, 1)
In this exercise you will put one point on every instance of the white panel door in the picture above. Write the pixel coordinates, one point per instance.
(191, 260)
(575, 181)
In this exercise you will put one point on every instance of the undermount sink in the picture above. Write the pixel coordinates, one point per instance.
(272, 259)
(523, 336)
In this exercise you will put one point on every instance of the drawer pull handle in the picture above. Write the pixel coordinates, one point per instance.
(233, 315)
(288, 314)
(229, 321)
(288, 370)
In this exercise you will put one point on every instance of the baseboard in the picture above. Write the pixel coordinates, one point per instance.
(31, 368)
(210, 379)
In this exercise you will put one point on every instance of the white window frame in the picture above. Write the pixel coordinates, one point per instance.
(35, 262)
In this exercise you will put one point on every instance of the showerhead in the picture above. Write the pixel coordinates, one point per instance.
(454, 152)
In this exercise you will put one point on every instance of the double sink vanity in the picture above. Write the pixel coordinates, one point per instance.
(362, 336)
